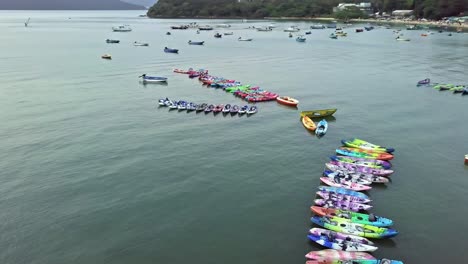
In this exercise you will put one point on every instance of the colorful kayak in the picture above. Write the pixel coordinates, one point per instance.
(356, 261)
(338, 178)
(319, 113)
(344, 226)
(332, 234)
(322, 128)
(341, 197)
(350, 176)
(286, 100)
(365, 219)
(345, 184)
(345, 205)
(339, 190)
(373, 163)
(308, 123)
(360, 169)
(331, 254)
(360, 153)
(361, 144)
(340, 244)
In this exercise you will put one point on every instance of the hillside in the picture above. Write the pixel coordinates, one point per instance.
(67, 5)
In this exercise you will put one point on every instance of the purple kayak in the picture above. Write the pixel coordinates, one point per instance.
(356, 207)
(341, 197)
(338, 177)
(355, 168)
(345, 175)
(373, 163)
(332, 234)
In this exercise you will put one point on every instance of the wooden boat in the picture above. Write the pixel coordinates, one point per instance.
(308, 123)
(319, 113)
(106, 57)
(286, 100)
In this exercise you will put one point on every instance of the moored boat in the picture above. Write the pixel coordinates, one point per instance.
(252, 110)
(300, 39)
(209, 108)
(286, 100)
(331, 255)
(243, 109)
(319, 113)
(343, 226)
(308, 123)
(141, 44)
(112, 41)
(122, 28)
(361, 144)
(322, 128)
(354, 217)
(106, 57)
(244, 39)
(196, 42)
(168, 50)
(332, 234)
(217, 35)
(152, 79)
(341, 244)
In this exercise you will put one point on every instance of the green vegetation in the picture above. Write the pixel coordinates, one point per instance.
(433, 9)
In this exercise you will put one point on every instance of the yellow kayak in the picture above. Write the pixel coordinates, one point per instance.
(308, 123)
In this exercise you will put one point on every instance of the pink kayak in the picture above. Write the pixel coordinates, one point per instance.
(341, 197)
(343, 205)
(345, 184)
(331, 254)
(361, 169)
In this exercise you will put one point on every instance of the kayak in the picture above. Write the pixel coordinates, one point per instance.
(341, 244)
(345, 205)
(209, 108)
(341, 197)
(308, 123)
(286, 100)
(356, 261)
(360, 168)
(361, 144)
(338, 190)
(322, 128)
(360, 153)
(344, 226)
(331, 254)
(332, 234)
(373, 163)
(345, 184)
(338, 178)
(353, 176)
(359, 218)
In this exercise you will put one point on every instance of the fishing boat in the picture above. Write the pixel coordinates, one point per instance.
(112, 41)
(322, 128)
(168, 50)
(300, 39)
(152, 79)
(180, 27)
(140, 44)
(106, 57)
(205, 28)
(292, 29)
(228, 33)
(122, 28)
(217, 35)
(196, 42)
(319, 113)
(243, 39)
(286, 100)
(308, 123)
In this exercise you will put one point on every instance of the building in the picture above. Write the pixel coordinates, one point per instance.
(402, 13)
(364, 7)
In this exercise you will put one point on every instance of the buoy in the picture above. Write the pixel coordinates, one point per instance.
(466, 159)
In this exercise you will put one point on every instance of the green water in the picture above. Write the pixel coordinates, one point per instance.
(92, 171)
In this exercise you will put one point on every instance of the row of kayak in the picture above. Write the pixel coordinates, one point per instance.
(343, 227)
(246, 92)
(463, 89)
(207, 108)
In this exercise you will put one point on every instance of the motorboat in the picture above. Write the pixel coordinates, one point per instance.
(122, 28)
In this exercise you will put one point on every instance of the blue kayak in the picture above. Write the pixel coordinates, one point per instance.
(343, 191)
(322, 128)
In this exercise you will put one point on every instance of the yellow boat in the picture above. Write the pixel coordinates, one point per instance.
(308, 123)
(319, 113)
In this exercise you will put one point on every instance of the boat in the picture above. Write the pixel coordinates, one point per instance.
(426, 81)
(265, 29)
(358, 30)
(234, 109)
(180, 27)
(332, 234)
(413, 27)
(201, 107)
(140, 44)
(106, 57)
(344, 226)
(168, 33)
(223, 26)
(340, 190)
(341, 197)
(218, 108)
(353, 176)
(466, 159)
(341, 34)
(286, 100)
(228, 33)
(243, 39)
(333, 36)
(341, 244)
(243, 109)
(373, 163)
(423, 35)
(26, 24)
(168, 50)
(209, 108)
(317, 26)
(340, 178)
(292, 29)
(123, 28)
(217, 35)
(326, 255)
(226, 108)
(340, 204)
(191, 107)
(356, 261)
(164, 102)
(345, 184)
(322, 128)
(331, 25)
(362, 144)
(300, 39)
(338, 165)
(465, 91)
(402, 39)
(308, 123)
(290, 35)
(152, 79)
(319, 112)
(360, 153)
(112, 41)
(196, 42)
(173, 105)
(308, 32)
(369, 28)
(182, 105)
(354, 217)
(252, 110)
(205, 28)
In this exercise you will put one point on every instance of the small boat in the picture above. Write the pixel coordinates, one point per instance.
(308, 123)
(300, 39)
(196, 42)
(341, 244)
(449, 34)
(466, 159)
(329, 255)
(252, 110)
(264, 29)
(201, 107)
(359, 218)
(182, 105)
(424, 82)
(322, 128)
(345, 184)
(341, 197)
(223, 26)
(228, 33)
(218, 108)
(180, 27)
(333, 36)
(173, 105)
(358, 30)
(26, 24)
(168, 33)
(331, 25)
(339, 190)
(353, 168)
(369, 28)
(465, 91)
(152, 79)
(364, 145)
(346, 205)
(234, 109)
(332, 234)
(457, 89)
(226, 108)
(317, 26)
(341, 34)
(423, 35)
(243, 39)
(112, 41)
(292, 29)
(319, 113)
(164, 102)
(402, 39)
(123, 28)
(290, 35)
(373, 163)
(217, 35)
(106, 57)
(140, 44)
(308, 32)
(205, 28)
(191, 107)
(243, 109)
(209, 108)
(344, 226)
(286, 100)
(168, 50)
(356, 176)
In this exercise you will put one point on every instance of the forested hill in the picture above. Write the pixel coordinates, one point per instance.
(296, 8)
(67, 5)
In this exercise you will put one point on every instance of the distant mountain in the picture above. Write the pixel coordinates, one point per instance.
(69, 5)
(145, 3)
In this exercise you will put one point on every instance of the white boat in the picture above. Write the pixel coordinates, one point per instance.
(317, 26)
(223, 26)
(141, 44)
(292, 29)
(152, 79)
(205, 28)
(272, 26)
(123, 28)
(402, 39)
(243, 39)
(264, 29)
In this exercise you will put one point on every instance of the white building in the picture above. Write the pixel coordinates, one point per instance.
(402, 13)
(365, 7)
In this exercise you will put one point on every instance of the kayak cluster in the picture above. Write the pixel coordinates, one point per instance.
(343, 226)
(208, 108)
(246, 92)
(463, 89)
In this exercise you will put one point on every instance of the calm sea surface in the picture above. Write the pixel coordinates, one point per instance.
(92, 171)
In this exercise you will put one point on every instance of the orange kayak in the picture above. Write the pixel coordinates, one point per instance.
(308, 123)
(286, 100)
